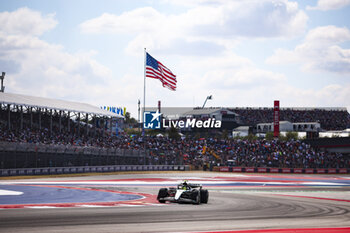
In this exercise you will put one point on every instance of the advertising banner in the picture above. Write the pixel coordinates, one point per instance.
(249, 169)
(274, 170)
(224, 169)
(276, 118)
(30, 172)
(13, 172)
(309, 170)
(321, 171)
(262, 169)
(237, 169)
(332, 171)
(286, 170)
(298, 170)
(21, 172)
(343, 170)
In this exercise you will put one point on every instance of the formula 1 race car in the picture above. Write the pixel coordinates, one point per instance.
(184, 193)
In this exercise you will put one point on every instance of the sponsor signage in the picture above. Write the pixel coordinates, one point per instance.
(117, 110)
(237, 169)
(298, 170)
(249, 169)
(309, 170)
(224, 169)
(332, 171)
(276, 118)
(274, 170)
(286, 170)
(262, 169)
(321, 171)
(343, 170)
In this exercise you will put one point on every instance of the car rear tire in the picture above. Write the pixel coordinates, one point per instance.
(204, 196)
(163, 192)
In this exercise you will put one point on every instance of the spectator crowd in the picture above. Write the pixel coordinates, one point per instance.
(329, 119)
(190, 150)
(196, 151)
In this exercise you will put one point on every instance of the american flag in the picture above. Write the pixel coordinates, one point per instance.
(155, 69)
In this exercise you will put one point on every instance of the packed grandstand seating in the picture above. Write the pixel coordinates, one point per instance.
(332, 119)
(246, 153)
(257, 153)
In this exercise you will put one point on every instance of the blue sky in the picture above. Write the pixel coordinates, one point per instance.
(244, 53)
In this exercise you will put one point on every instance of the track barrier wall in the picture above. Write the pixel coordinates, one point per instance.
(94, 169)
(20, 155)
(286, 170)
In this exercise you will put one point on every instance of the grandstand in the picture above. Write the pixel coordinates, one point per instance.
(28, 123)
(40, 132)
(21, 111)
(328, 118)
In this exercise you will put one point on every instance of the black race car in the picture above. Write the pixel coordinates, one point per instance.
(184, 193)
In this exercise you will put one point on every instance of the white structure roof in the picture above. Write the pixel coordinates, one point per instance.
(241, 128)
(209, 111)
(177, 112)
(40, 102)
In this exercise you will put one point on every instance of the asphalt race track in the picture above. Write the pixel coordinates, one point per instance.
(127, 203)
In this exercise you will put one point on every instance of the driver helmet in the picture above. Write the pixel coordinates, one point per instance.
(184, 184)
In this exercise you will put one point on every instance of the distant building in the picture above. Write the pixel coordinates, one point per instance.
(241, 131)
(289, 127)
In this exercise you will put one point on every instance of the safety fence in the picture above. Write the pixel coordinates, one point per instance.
(285, 170)
(30, 155)
(65, 149)
(90, 169)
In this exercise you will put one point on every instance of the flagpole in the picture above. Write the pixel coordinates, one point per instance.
(144, 94)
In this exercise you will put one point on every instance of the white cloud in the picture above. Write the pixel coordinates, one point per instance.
(40, 68)
(252, 19)
(326, 5)
(47, 70)
(319, 52)
(35, 67)
(137, 21)
(333, 95)
(26, 22)
(211, 25)
(244, 85)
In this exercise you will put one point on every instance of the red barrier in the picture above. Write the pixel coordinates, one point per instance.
(343, 170)
(298, 170)
(309, 170)
(224, 169)
(274, 170)
(237, 169)
(286, 170)
(249, 169)
(321, 171)
(332, 171)
(262, 169)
